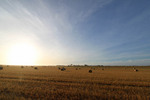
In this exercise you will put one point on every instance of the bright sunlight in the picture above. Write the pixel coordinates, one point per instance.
(22, 54)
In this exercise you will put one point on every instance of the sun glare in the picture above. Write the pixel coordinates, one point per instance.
(22, 54)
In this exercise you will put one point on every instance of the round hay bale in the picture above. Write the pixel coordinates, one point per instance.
(63, 69)
(90, 71)
(1, 68)
(136, 70)
(35, 68)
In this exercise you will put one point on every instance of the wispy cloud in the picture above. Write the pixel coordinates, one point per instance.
(78, 31)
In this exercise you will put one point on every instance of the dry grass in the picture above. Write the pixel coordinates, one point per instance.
(112, 83)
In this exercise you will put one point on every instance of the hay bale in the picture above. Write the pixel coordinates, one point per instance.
(22, 67)
(136, 70)
(35, 68)
(63, 69)
(1, 68)
(90, 71)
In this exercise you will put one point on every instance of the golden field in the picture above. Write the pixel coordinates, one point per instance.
(50, 83)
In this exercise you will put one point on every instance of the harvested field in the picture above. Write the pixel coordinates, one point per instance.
(113, 83)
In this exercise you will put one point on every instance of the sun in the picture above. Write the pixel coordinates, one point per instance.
(22, 54)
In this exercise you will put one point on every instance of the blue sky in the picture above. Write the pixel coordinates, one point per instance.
(109, 32)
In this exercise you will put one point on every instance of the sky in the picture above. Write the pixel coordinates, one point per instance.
(51, 32)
